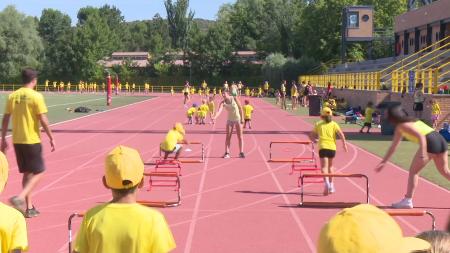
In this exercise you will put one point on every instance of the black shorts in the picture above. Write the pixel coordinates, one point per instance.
(436, 144)
(418, 107)
(327, 153)
(29, 158)
(368, 124)
(186, 93)
(247, 120)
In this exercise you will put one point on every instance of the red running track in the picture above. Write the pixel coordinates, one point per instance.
(235, 205)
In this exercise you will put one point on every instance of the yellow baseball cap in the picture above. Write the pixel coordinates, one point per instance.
(124, 168)
(326, 111)
(3, 171)
(366, 228)
(179, 127)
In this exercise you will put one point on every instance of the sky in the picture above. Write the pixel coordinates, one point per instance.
(131, 9)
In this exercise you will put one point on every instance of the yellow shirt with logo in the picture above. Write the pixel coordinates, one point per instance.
(13, 229)
(25, 105)
(368, 115)
(327, 134)
(248, 110)
(171, 140)
(119, 228)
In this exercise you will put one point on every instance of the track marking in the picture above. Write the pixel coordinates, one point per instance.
(190, 235)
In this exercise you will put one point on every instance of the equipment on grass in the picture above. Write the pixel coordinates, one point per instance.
(408, 212)
(82, 109)
(322, 175)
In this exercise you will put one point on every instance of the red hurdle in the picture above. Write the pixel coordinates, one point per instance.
(163, 179)
(185, 160)
(400, 212)
(289, 159)
(168, 164)
(322, 175)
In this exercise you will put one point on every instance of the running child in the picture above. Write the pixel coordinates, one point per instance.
(368, 117)
(326, 131)
(212, 109)
(191, 112)
(248, 111)
(203, 112)
(432, 146)
(173, 140)
(435, 112)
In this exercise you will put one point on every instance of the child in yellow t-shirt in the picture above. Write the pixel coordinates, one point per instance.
(202, 112)
(12, 226)
(326, 131)
(212, 108)
(247, 92)
(107, 227)
(368, 117)
(248, 111)
(46, 85)
(435, 112)
(192, 112)
(172, 142)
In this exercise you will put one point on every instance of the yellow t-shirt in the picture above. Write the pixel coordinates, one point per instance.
(421, 127)
(368, 115)
(171, 140)
(247, 92)
(435, 109)
(203, 110)
(24, 105)
(248, 110)
(13, 229)
(266, 86)
(327, 134)
(119, 228)
(191, 111)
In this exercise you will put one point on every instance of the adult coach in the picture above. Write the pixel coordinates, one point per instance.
(235, 119)
(27, 109)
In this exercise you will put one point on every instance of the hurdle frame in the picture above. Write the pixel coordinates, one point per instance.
(408, 212)
(69, 225)
(323, 175)
(289, 142)
(186, 160)
(176, 183)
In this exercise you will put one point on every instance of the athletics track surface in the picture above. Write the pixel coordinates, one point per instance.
(235, 205)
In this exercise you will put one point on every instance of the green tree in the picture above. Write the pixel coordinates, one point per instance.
(57, 34)
(211, 51)
(92, 43)
(20, 44)
(273, 66)
(180, 22)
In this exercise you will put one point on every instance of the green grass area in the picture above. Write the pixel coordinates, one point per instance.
(58, 103)
(379, 144)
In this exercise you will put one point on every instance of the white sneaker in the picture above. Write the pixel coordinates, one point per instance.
(332, 189)
(405, 203)
(226, 155)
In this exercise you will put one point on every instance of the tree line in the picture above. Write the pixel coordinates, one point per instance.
(291, 36)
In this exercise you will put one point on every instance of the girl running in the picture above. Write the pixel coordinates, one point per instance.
(432, 146)
(235, 119)
(326, 130)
